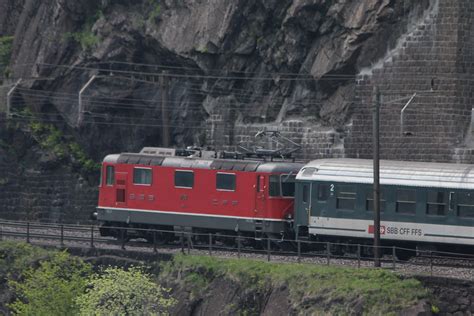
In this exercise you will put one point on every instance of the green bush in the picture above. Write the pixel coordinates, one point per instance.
(86, 38)
(6, 44)
(120, 292)
(52, 288)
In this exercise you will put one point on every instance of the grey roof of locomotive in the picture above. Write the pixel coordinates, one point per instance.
(403, 173)
(205, 163)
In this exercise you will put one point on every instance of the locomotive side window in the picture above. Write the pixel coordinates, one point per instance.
(274, 186)
(346, 197)
(436, 203)
(142, 176)
(369, 204)
(225, 181)
(465, 204)
(288, 185)
(183, 179)
(406, 201)
(109, 175)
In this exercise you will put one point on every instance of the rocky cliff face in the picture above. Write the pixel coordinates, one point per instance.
(213, 73)
(251, 61)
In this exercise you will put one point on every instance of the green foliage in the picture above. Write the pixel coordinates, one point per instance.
(120, 292)
(86, 38)
(52, 139)
(155, 12)
(6, 44)
(52, 288)
(17, 256)
(383, 292)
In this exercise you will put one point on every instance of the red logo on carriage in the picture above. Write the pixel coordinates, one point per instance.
(382, 229)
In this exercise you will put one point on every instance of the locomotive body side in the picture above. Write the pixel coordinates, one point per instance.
(193, 193)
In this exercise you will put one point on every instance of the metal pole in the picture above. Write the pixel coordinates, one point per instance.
(182, 241)
(9, 98)
(122, 233)
(189, 243)
(268, 248)
(154, 242)
(62, 236)
(299, 251)
(358, 255)
(164, 111)
(394, 258)
(92, 236)
(328, 252)
(238, 246)
(28, 232)
(80, 115)
(376, 149)
(210, 244)
(431, 263)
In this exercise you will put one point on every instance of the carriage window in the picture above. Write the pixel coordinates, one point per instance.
(465, 204)
(274, 186)
(288, 185)
(142, 176)
(109, 175)
(346, 197)
(183, 179)
(406, 201)
(323, 192)
(225, 181)
(436, 203)
(369, 203)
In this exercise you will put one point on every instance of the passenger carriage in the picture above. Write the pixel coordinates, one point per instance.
(421, 203)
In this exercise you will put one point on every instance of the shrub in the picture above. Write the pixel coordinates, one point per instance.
(120, 292)
(52, 288)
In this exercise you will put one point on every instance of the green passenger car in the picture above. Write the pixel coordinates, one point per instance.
(420, 202)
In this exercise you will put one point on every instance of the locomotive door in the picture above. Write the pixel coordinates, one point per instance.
(121, 188)
(260, 197)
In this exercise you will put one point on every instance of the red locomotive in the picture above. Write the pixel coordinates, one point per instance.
(170, 189)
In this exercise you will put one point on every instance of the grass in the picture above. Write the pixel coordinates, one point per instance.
(382, 292)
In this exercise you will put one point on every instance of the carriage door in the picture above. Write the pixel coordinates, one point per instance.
(260, 197)
(305, 198)
(121, 188)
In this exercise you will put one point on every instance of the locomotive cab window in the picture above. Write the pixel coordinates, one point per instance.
(346, 197)
(274, 186)
(288, 185)
(436, 203)
(225, 181)
(406, 201)
(465, 204)
(109, 175)
(369, 202)
(184, 179)
(142, 176)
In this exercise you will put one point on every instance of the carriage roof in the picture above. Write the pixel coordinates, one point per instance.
(403, 173)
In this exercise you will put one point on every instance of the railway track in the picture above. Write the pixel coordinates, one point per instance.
(452, 265)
